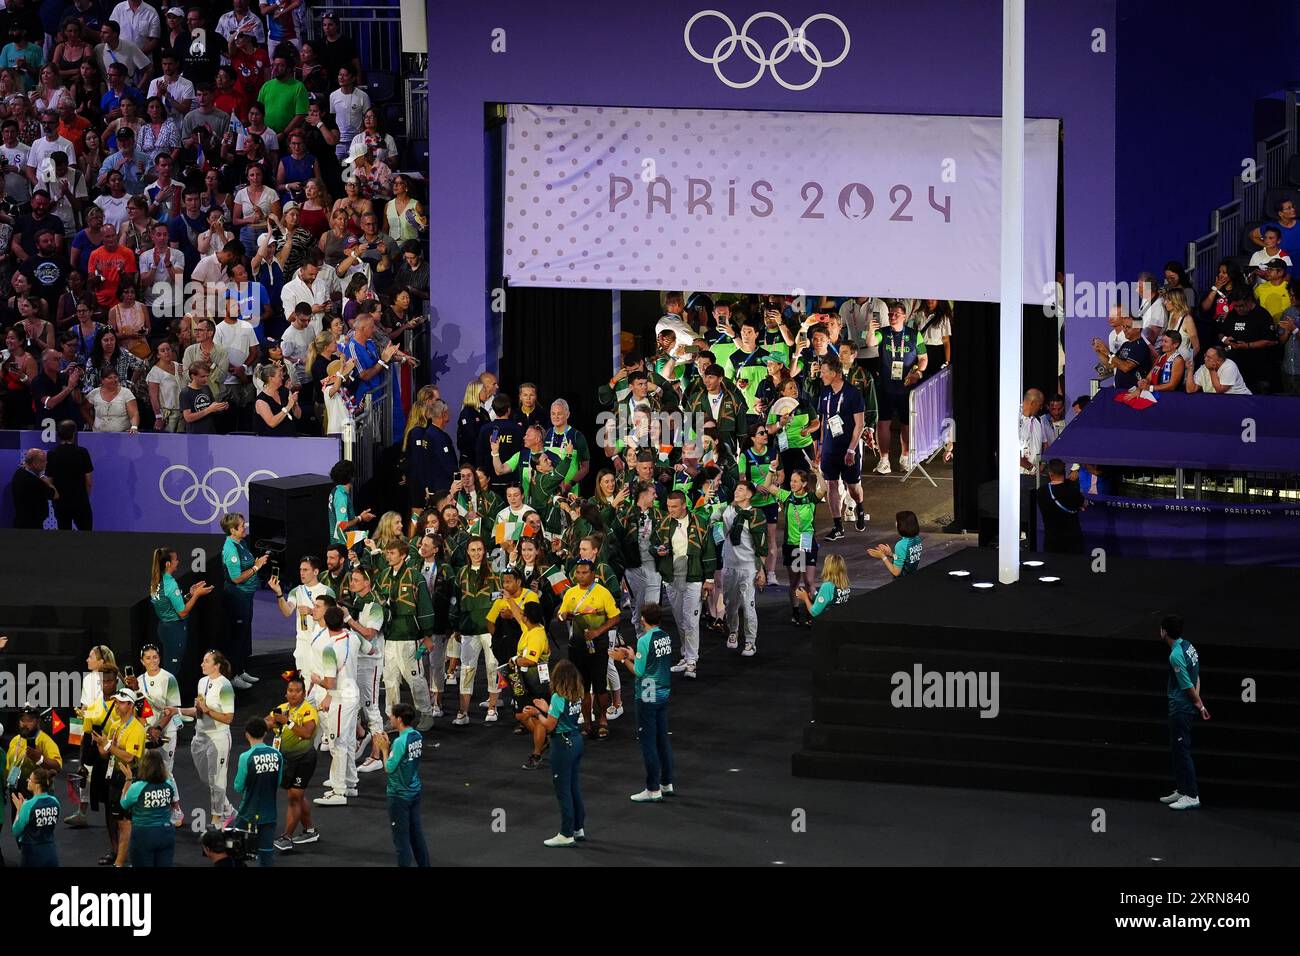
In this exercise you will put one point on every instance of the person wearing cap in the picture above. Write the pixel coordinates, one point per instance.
(120, 746)
(1273, 293)
(49, 143)
(30, 749)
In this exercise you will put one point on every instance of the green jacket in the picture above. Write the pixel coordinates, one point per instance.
(731, 412)
(701, 556)
(474, 597)
(629, 527)
(610, 395)
(409, 603)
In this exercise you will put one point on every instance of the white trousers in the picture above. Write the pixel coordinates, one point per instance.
(738, 587)
(211, 759)
(400, 665)
(341, 729)
(369, 667)
(646, 587)
(435, 663)
(684, 598)
(470, 645)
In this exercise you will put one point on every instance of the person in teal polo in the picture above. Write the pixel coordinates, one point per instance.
(149, 800)
(402, 763)
(171, 608)
(258, 779)
(560, 716)
(37, 820)
(651, 663)
(241, 583)
(342, 518)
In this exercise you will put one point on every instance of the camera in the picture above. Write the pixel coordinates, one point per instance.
(236, 843)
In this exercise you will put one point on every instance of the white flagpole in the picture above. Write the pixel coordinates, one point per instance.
(1010, 347)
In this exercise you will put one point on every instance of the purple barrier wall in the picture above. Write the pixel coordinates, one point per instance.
(926, 57)
(166, 482)
(930, 409)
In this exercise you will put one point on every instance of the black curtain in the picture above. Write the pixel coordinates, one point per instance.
(976, 358)
(561, 340)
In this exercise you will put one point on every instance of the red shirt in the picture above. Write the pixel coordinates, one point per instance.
(233, 103)
(252, 70)
(110, 265)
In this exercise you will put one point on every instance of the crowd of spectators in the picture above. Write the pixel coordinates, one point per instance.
(200, 207)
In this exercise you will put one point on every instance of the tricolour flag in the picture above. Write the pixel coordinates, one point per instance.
(74, 732)
(559, 581)
(354, 538)
(508, 531)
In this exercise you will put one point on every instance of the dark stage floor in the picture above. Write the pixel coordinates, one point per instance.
(734, 730)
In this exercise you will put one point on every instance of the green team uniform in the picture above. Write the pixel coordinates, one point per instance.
(654, 650)
(150, 804)
(410, 606)
(753, 467)
(1184, 672)
(553, 442)
(403, 764)
(907, 555)
(341, 514)
(474, 593)
(799, 420)
(566, 714)
(800, 518)
(258, 779)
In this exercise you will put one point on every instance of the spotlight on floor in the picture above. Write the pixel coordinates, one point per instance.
(1033, 564)
(1049, 579)
(958, 574)
(983, 585)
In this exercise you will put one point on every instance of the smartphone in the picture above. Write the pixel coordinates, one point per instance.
(128, 671)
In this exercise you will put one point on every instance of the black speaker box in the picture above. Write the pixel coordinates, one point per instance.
(288, 518)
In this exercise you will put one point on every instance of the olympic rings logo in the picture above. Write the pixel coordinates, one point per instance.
(200, 487)
(794, 41)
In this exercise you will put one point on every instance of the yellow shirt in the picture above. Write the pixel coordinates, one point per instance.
(286, 741)
(1275, 298)
(18, 754)
(534, 645)
(598, 604)
(128, 736)
(501, 605)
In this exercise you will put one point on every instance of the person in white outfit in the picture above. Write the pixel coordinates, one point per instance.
(214, 711)
(366, 617)
(744, 548)
(300, 604)
(163, 693)
(334, 673)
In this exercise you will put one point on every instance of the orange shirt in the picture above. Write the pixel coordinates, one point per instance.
(75, 133)
(110, 265)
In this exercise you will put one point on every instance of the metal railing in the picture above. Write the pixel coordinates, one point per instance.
(1229, 222)
(417, 107)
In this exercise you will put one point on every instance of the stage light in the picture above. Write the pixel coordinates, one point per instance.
(958, 574)
(1033, 564)
(983, 585)
(1049, 579)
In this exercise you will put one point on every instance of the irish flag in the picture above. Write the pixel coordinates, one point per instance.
(559, 581)
(354, 538)
(508, 531)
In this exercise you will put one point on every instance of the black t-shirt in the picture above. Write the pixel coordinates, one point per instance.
(1135, 351)
(1254, 325)
(29, 225)
(49, 278)
(31, 499)
(1060, 505)
(67, 467)
(196, 400)
(203, 68)
(287, 427)
(43, 388)
(334, 54)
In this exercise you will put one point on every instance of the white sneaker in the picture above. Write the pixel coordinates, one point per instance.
(362, 744)
(771, 578)
(559, 840)
(905, 462)
(437, 711)
(732, 642)
(491, 717)
(648, 796)
(240, 684)
(249, 678)
(371, 765)
(613, 713)
(580, 834)
(680, 666)
(461, 720)
(666, 789)
(750, 650)
(882, 466)
(331, 799)
(1185, 803)
(690, 670)
(1171, 798)
(582, 719)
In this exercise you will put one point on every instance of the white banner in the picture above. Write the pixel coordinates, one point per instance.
(834, 204)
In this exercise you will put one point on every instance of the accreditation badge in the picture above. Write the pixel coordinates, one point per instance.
(896, 370)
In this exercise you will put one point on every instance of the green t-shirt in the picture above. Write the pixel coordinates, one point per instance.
(754, 466)
(799, 419)
(403, 764)
(1184, 672)
(150, 804)
(283, 100)
(800, 517)
(168, 602)
(258, 779)
(237, 559)
(566, 713)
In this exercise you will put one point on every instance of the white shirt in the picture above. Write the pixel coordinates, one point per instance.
(229, 25)
(169, 385)
(1153, 316)
(43, 148)
(238, 339)
(179, 89)
(267, 136)
(1031, 443)
(305, 595)
(295, 291)
(294, 343)
(17, 186)
(737, 556)
(62, 205)
(349, 111)
(155, 268)
(138, 24)
(209, 270)
(1263, 257)
(115, 212)
(1229, 375)
(112, 416)
(857, 316)
(212, 690)
(347, 648)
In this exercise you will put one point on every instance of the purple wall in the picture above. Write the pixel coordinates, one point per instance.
(925, 57)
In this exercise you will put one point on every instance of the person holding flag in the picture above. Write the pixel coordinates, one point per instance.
(505, 620)
(530, 675)
(120, 746)
(342, 517)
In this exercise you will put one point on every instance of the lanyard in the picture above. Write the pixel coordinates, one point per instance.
(1052, 494)
(897, 342)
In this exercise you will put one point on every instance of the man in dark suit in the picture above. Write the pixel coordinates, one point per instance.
(32, 491)
(431, 462)
(509, 436)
